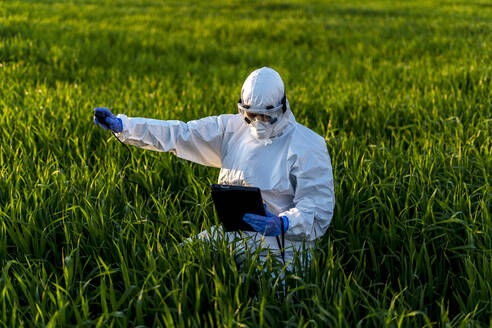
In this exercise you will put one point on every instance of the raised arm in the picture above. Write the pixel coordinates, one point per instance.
(199, 141)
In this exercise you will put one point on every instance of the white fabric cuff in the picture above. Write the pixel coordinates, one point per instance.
(123, 135)
(299, 229)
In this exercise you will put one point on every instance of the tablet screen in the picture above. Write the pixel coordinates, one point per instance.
(232, 202)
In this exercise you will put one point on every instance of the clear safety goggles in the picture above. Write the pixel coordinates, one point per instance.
(270, 114)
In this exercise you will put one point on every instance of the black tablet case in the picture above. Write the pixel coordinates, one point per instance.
(232, 202)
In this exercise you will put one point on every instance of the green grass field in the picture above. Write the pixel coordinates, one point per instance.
(402, 92)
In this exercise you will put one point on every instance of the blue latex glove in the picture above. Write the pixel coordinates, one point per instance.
(104, 118)
(268, 225)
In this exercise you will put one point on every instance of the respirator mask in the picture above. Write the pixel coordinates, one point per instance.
(262, 121)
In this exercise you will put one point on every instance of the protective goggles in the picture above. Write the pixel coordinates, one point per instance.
(272, 113)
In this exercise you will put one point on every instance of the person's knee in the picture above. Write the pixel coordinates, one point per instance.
(213, 233)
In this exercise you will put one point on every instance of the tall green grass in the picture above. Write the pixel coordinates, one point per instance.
(400, 90)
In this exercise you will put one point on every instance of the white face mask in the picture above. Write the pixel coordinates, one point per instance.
(260, 129)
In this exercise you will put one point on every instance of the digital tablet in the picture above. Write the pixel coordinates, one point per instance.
(232, 202)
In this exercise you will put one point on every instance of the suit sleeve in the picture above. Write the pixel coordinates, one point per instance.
(199, 141)
(314, 198)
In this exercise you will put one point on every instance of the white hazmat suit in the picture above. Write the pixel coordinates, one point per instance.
(288, 162)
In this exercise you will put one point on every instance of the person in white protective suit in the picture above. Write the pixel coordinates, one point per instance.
(261, 146)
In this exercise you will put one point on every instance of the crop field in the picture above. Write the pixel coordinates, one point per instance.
(401, 91)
